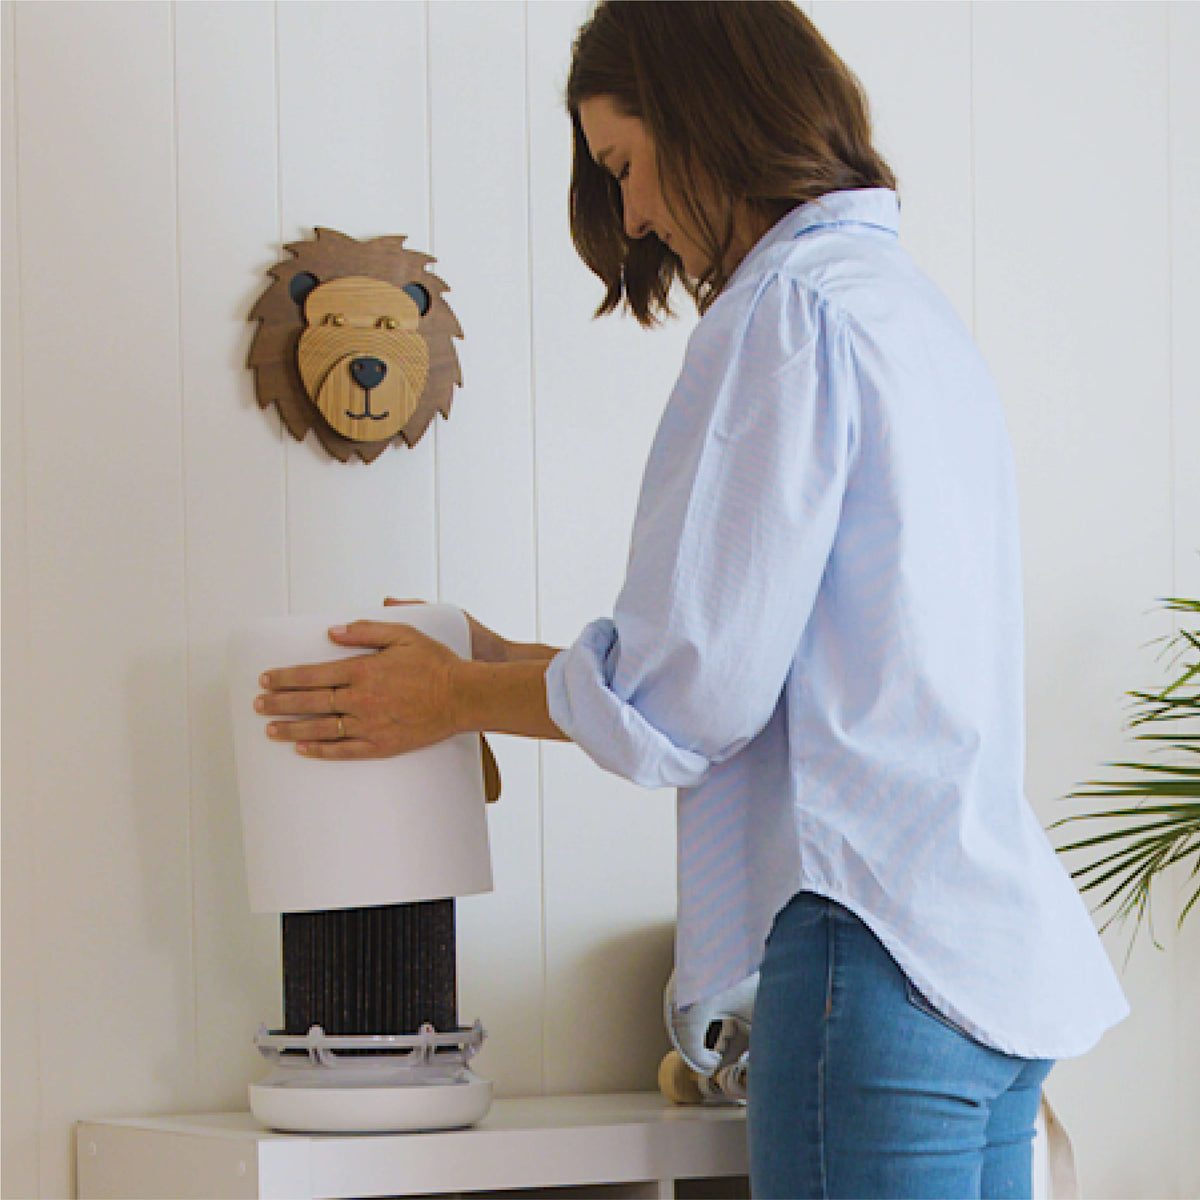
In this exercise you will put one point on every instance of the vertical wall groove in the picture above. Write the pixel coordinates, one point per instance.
(282, 428)
(971, 169)
(539, 634)
(181, 515)
(25, 803)
(431, 235)
(1171, 375)
(185, 524)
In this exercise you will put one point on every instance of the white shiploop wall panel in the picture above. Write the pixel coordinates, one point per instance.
(157, 156)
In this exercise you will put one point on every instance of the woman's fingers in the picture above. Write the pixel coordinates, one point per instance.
(377, 635)
(320, 701)
(347, 748)
(369, 706)
(326, 729)
(308, 678)
(374, 635)
(326, 738)
(313, 687)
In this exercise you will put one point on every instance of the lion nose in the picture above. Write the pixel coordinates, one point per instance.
(368, 373)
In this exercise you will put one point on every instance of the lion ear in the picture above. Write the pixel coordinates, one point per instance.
(419, 296)
(301, 285)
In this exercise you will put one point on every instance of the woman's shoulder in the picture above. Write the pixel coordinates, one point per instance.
(768, 299)
(857, 280)
(761, 318)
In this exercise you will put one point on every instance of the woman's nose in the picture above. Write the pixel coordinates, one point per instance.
(637, 225)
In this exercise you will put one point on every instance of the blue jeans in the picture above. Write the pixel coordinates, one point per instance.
(859, 1088)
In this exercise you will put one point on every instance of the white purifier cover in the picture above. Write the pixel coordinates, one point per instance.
(326, 834)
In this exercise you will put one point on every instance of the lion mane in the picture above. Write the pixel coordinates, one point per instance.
(276, 349)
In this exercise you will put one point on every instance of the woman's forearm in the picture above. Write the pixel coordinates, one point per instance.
(505, 697)
(487, 646)
(530, 652)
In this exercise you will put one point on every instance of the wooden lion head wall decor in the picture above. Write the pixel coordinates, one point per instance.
(355, 342)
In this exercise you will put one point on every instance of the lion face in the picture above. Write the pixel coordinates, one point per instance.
(362, 360)
(355, 343)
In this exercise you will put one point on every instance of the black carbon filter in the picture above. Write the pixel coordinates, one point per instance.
(357, 971)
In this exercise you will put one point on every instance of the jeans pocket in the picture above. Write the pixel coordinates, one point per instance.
(918, 1001)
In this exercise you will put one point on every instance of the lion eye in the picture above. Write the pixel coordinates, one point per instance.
(388, 323)
(335, 319)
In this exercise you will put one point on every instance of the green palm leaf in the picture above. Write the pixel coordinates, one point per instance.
(1149, 837)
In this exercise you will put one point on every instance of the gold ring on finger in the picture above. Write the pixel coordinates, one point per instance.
(332, 702)
(341, 726)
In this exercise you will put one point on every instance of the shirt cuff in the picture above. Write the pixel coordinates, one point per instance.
(610, 730)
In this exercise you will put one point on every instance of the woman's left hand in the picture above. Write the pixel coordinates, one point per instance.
(399, 699)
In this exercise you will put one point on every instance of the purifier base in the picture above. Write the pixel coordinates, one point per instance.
(369, 1109)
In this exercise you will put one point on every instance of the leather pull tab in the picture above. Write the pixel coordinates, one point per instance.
(491, 772)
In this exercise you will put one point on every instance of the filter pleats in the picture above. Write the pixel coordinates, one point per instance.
(358, 971)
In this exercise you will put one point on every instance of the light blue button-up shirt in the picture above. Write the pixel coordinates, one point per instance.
(819, 641)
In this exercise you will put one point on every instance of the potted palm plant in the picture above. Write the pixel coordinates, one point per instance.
(1162, 828)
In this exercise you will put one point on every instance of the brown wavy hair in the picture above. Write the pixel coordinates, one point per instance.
(744, 95)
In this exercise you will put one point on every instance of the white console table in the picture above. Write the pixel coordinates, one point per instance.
(626, 1145)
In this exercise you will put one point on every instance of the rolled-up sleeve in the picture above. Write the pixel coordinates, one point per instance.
(737, 515)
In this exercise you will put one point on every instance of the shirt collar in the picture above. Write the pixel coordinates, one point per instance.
(876, 208)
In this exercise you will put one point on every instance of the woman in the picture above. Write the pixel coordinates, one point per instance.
(819, 637)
